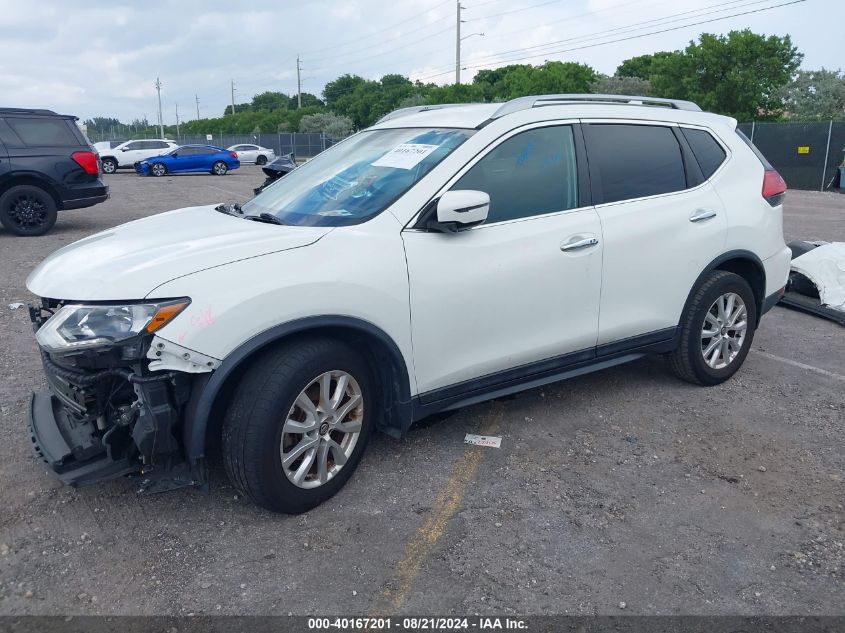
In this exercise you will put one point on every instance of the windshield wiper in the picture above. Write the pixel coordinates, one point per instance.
(269, 218)
(230, 209)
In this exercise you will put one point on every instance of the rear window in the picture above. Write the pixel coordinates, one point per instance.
(706, 149)
(42, 131)
(635, 161)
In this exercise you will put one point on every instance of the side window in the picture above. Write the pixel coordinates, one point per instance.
(135, 145)
(531, 173)
(708, 152)
(42, 132)
(187, 151)
(634, 161)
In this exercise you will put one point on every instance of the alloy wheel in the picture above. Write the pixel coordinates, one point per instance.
(27, 211)
(321, 429)
(220, 168)
(723, 331)
(158, 169)
(109, 167)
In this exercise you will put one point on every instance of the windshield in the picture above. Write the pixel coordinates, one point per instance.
(357, 179)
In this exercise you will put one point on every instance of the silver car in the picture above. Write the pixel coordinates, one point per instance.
(248, 153)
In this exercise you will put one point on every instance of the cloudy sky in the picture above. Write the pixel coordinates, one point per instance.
(101, 57)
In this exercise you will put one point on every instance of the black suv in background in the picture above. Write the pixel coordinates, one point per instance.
(46, 164)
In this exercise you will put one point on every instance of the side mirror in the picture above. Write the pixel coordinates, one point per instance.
(460, 209)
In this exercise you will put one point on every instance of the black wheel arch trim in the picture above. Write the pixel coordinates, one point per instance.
(398, 410)
(727, 256)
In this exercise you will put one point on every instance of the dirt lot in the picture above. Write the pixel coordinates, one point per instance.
(622, 486)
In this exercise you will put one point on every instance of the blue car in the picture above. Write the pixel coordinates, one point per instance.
(189, 158)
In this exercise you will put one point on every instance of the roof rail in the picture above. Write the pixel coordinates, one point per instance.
(526, 103)
(414, 109)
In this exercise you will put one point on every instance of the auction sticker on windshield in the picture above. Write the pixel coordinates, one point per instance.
(405, 156)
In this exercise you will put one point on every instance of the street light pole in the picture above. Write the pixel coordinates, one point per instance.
(160, 118)
(177, 121)
(458, 44)
(298, 84)
(197, 99)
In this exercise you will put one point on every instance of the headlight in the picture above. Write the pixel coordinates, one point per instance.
(76, 327)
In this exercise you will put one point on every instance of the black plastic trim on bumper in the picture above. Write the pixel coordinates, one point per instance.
(770, 301)
(50, 446)
(82, 203)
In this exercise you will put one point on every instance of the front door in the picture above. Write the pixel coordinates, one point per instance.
(490, 302)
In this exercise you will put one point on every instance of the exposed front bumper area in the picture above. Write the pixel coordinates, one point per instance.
(108, 414)
(50, 430)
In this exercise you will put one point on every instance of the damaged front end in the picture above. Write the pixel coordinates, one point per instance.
(106, 413)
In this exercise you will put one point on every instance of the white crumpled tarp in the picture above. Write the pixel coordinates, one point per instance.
(825, 267)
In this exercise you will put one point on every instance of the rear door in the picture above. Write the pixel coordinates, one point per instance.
(662, 225)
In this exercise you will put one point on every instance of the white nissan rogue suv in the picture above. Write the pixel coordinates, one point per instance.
(445, 256)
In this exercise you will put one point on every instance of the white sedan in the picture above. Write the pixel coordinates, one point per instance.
(253, 153)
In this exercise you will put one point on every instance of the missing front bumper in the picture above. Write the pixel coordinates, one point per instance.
(49, 429)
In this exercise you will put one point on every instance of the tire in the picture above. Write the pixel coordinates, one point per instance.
(729, 345)
(219, 168)
(27, 210)
(261, 160)
(266, 405)
(158, 170)
(109, 165)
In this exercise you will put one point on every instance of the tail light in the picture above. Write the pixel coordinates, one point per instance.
(233, 154)
(774, 187)
(86, 160)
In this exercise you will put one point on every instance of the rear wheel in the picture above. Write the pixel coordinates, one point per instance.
(298, 424)
(109, 165)
(27, 210)
(219, 168)
(261, 160)
(717, 329)
(158, 169)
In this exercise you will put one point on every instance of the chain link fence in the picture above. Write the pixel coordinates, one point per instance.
(807, 155)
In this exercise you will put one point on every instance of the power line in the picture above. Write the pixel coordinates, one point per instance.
(624, 39)
(374, 33)
(637, 26)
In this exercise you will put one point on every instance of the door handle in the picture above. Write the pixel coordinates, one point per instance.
(702, 214)
(579, 244)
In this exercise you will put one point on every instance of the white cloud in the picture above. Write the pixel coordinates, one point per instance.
(93, 57)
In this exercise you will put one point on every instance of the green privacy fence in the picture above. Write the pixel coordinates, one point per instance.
(807, 155)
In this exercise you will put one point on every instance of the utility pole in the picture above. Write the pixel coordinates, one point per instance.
(458, 45)
(197, 99)
(233, 96)
(177, 121)
(298, 84)
(160, 118)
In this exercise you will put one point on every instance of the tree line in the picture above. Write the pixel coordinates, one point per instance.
(745, 75)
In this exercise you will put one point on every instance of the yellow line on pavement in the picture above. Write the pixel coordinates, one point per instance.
(426, 537)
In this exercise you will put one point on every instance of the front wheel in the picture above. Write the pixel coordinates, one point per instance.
(298, 424)
(158, 170)
(717, 329)
(261, 160)
(219, 168)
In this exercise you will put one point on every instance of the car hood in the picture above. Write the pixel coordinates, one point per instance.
(131, 260)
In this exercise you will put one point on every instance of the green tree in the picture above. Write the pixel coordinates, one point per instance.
(621, 86)
(270, 101)
(336, 126)
(740, 74)
(816, 95)
(642, 66)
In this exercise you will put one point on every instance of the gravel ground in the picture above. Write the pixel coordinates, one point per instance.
(625, 486)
